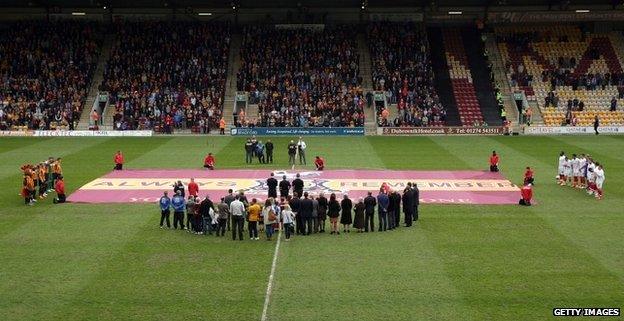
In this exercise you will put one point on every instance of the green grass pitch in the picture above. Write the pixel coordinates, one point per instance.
(111, 262)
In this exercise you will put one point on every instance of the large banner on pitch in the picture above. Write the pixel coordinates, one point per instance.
(443, 187)
(298, 131)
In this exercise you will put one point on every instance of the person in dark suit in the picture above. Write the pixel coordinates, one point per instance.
(306, 208)
(284, 187)
(269, 151)
(272, 185)
(369, 204)
(295, 205)
(297, 185)
(395, 208)
(408, 204)
(416, 193)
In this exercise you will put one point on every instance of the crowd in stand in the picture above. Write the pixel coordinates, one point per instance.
(167, 75)
(301, 77)
(45, 71)
(402, 69)
(561, 73)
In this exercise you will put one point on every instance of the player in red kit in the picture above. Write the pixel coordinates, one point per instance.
(193, 188)
(494, 159)
(527, 194)
(209, 161)
(319, 162)
(528, 176)
(59, 187)
(119, 160)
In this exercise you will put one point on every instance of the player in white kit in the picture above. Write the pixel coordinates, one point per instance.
(583, 171)
(600, 178)
(567, 171)
(576, 171)
(561, 170)
(591, 177)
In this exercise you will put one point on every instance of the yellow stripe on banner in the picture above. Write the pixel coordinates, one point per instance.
(472, 185)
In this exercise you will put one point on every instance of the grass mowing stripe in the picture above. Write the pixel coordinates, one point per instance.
(407, 153)
(174, 275)
(596, 242)
(8, 144)
(32, 153)
(180, 152)
(47, 261)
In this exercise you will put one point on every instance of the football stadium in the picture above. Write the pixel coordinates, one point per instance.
(311, 160)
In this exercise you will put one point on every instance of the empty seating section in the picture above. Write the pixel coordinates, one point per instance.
(572, 74)
(165, 75)
(301, 77)
(45, 72)
(461, 78)
(402, 68)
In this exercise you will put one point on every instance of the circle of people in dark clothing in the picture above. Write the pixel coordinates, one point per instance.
(289, 208)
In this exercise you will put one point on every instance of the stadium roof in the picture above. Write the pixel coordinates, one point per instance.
(294, 3)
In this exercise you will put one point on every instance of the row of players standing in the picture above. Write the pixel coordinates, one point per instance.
(581, 172)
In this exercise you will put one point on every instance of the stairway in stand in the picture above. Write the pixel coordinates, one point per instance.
(500, 79)
(442, 77)
(98, 76)
(461, 78)
(481, 77)
(234, 63)
(365, 67)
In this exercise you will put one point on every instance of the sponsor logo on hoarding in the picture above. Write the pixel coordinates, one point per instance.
(441, 131)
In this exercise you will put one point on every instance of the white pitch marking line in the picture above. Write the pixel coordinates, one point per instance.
(267, 297)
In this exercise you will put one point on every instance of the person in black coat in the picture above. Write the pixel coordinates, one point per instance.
(333, 211)
(322, 212)
(358, 218)
(204, 211)
(306, 208)
(408, 204)
(297, 185)
(395, 204)
(284, 187)
(248, 151)
(272, 185)
(295, 206)
(369, 204)
(416, 193)
(269, 151)
(346, 219)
